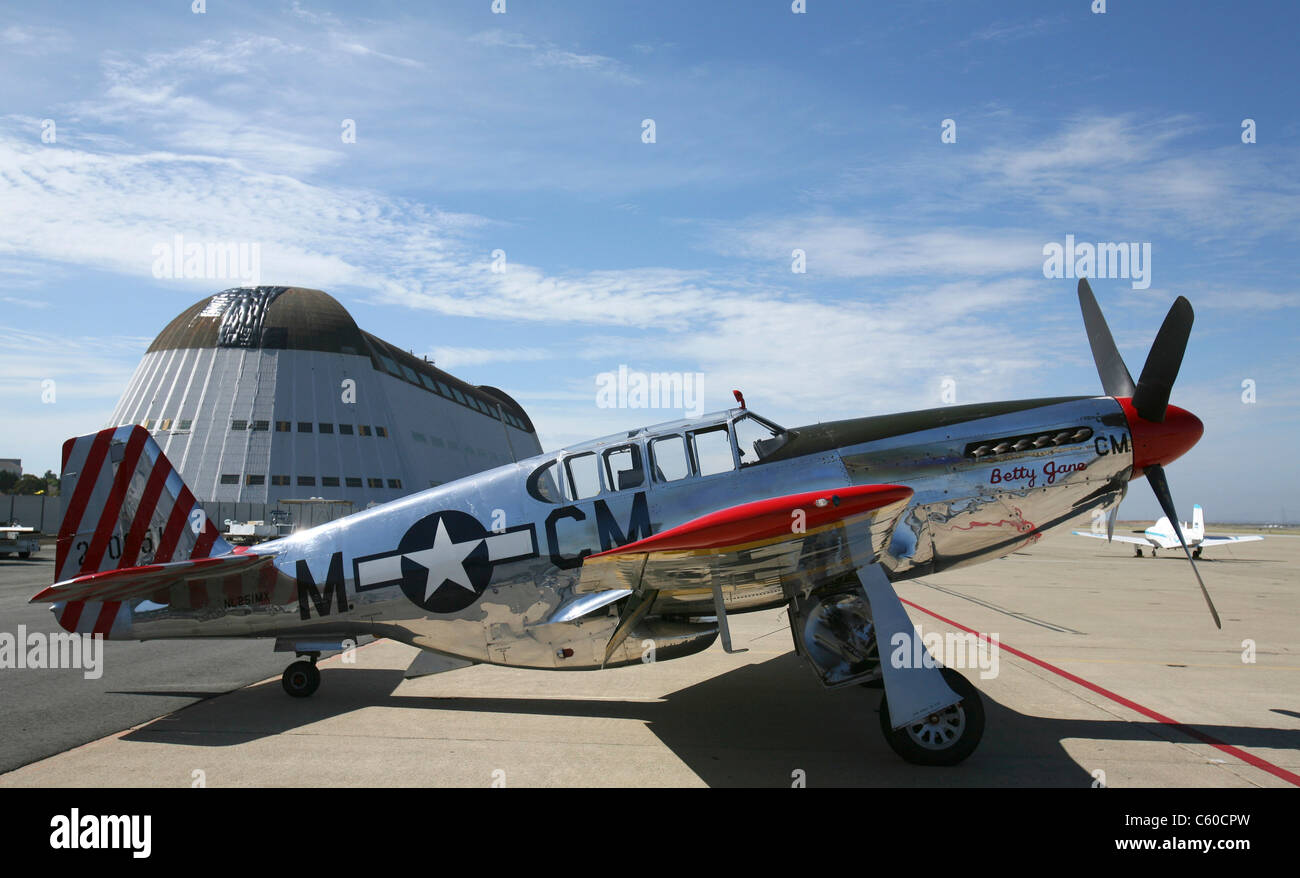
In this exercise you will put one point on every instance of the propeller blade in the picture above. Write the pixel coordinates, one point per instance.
(1156, 477)
(1115, 378)
(1151, 397)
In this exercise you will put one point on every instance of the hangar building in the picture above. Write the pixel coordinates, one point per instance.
(265, 394)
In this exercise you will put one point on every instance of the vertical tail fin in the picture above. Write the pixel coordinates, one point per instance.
(1198, 524)
(125, 506)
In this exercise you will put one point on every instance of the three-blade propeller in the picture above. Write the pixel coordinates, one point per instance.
(1150, 395)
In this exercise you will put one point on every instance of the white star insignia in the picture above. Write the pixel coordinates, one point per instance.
(445, 561)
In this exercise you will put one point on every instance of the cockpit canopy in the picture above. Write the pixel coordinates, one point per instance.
(659, 455)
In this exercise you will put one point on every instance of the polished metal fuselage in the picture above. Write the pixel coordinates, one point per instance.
(966, 507)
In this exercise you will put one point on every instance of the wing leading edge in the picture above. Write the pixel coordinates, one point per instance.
(752, 545)
(846, 527)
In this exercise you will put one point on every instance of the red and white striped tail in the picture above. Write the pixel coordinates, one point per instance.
(126, 506)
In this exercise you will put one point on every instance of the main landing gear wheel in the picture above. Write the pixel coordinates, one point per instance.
(301, 679)
(945, 737)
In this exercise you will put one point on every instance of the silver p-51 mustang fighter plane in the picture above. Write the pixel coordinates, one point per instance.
(584, 558)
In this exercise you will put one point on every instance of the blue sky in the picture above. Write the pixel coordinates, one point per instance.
(773, 131)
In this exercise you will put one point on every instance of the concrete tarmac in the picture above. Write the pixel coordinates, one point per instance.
(49, 711)
(1109, 670)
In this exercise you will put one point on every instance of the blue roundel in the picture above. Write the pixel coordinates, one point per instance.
(445, 566)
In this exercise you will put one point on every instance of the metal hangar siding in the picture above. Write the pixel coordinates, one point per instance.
(263, 394)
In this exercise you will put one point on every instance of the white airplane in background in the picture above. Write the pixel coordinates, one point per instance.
(1161, 535)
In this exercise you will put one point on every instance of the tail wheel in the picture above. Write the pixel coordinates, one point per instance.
(946, 737)
(301, 679)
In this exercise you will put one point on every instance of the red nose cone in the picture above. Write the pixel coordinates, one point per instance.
(1161, 443)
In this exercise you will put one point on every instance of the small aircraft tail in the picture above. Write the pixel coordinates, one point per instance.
(1198, 525)
(125, 507)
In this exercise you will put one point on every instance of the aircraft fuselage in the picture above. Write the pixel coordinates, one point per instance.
(476, 568)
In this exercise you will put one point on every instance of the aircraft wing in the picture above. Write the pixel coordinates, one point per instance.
(132, 582)
(820, 533)
(1222, 541)
(1119, 539)
(801, 537)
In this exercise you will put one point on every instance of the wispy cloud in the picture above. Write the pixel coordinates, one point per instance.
(456, 357)
(857, 248)
(543, 53)
(25, 303)
(87, 367)
(30, 39)
(1006, 31)
(354, 48)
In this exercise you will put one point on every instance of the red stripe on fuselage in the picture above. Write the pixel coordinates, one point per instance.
(71, 615)
(233, 586)
(108, 516)
(80, 497)
(67, 454)
(144, 512)
(175, 526)
(106, 615)
(204, 543)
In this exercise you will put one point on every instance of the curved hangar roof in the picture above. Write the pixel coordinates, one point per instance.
(296, 318)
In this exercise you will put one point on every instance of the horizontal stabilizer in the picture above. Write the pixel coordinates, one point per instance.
(133, 582)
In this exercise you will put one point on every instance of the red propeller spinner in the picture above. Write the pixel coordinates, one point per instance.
(1163, 442)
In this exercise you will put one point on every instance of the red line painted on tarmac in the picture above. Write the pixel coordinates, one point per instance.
(1248, 758)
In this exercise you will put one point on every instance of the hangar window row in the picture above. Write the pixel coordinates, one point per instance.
(243, 424)
(389, 356)
(253, 480)
(437, 442)
(312, 427)
(181, 425)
